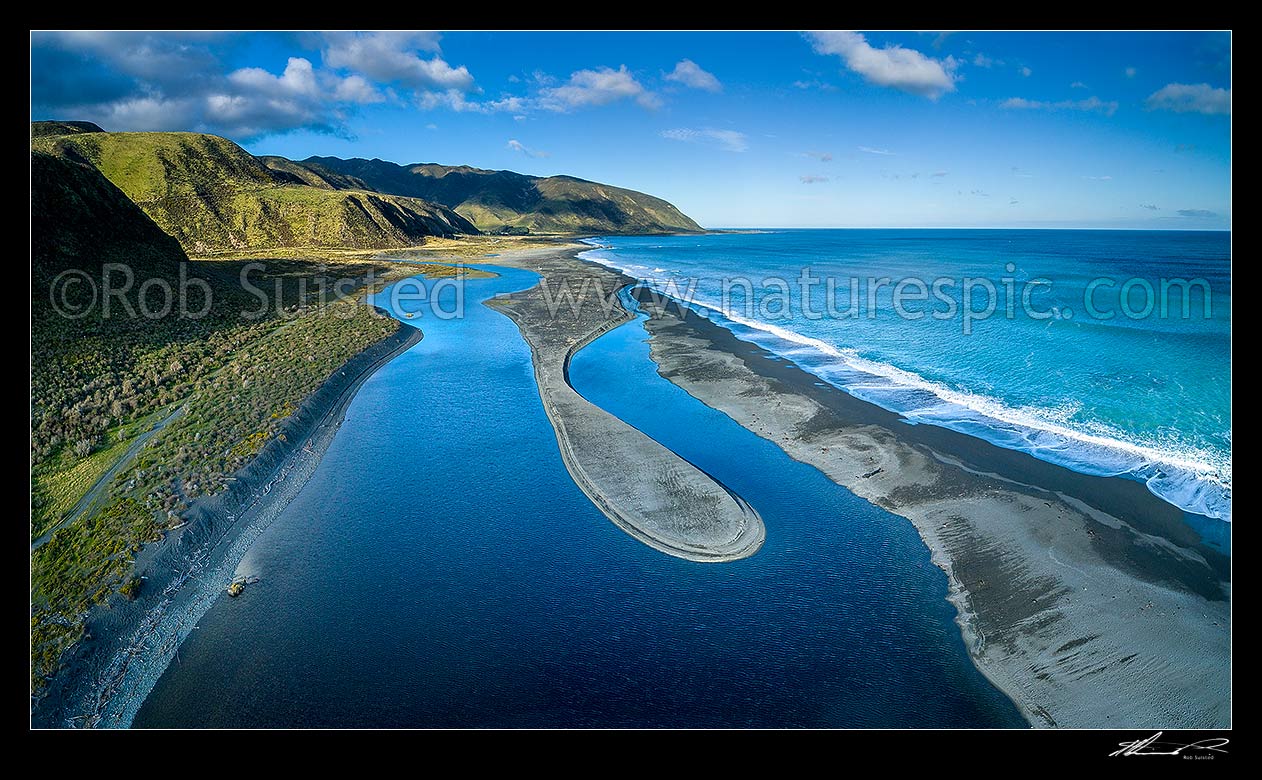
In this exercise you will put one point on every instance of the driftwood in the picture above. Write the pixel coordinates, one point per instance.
(110, 680)
(112, 677)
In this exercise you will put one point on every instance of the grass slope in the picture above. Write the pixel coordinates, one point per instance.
(214, 197)
(41, 129)
(98, 383)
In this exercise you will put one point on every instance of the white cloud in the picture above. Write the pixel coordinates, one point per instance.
(170, 81)
(1108, 108)
(938, 174)
(520, 148)
(1130, 72)
(690, 74)
(508, 104)
(1099, 178)
(823, 86)
(893, 66)
(727, 140)
(982, 61)
(453, 99)
(149, 113)
(1197, 213)
(298, 80)
(458, 101)
(871, 150)
(393, 57)
(1078, 85)
(356, 89)
(1191, 98)
(810, 179)
(252, 101)
(1025, 70)
(597, 87)
(821, 156)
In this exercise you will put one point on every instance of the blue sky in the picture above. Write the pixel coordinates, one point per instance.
(969, 129)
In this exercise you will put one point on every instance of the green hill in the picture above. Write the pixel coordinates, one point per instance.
(504, 200)
(80, 220)
(311, 175)
(108, 473)
(213, 196)
(41, 129)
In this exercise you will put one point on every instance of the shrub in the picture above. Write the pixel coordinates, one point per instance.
(131, 588)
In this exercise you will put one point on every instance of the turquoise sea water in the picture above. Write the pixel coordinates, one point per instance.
(1145, 394)
(442, 569)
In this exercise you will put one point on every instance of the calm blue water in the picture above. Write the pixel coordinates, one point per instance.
(1144, 394)
(442, 569)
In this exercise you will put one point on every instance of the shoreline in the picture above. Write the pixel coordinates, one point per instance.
(1057, 577)
(1089, 601)
(648, 491)
(128, 645)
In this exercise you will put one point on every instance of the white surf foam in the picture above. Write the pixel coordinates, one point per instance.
(1189, 477)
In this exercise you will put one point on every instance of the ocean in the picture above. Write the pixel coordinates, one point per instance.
(442, 569)
(1108, 352)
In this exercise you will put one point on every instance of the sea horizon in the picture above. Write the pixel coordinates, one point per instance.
(992, 409)
(967, 227)
(873, 381)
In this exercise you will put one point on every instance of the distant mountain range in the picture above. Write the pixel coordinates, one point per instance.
(502, 200)
(213, 197)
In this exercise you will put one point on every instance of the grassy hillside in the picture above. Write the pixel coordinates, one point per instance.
(203, 394)
(134, 417)
(312, 176)
(41, 129)
(504, 200)
(214, 197)
(78, 216)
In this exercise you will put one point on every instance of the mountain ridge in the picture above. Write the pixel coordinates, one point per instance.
(507, 201)
(213, 196)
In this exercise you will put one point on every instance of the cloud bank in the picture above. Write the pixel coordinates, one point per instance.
(892, 66)
(1190, 98)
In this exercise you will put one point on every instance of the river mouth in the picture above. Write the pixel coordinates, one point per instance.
(442, 569)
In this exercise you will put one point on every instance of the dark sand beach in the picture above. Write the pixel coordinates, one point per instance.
(1088, 600)
(130, 643)
(646, 489)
